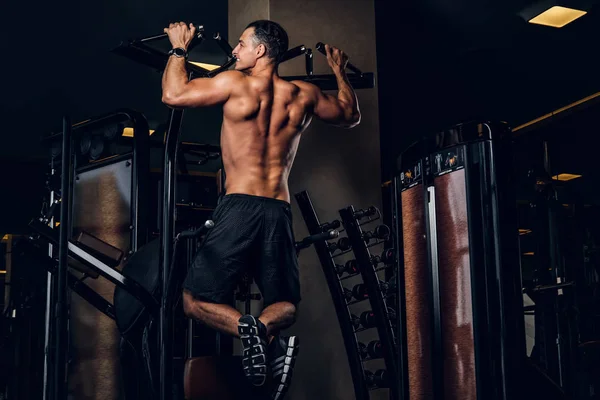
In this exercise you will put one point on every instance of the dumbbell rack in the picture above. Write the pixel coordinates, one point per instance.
(384, 326)
(337, 290)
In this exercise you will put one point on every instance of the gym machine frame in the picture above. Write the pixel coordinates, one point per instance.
(139, 51)
(70, 248)
(454, 210)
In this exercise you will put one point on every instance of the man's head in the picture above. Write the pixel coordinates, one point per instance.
(261, 40)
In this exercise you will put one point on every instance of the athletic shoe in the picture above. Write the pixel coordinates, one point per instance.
(282, 354)
(253, 334)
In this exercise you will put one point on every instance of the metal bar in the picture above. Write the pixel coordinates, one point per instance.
(158, 60)
(376, 296)
(48, 313)
(165, 322)
(89, 295)
(131, 286)
(140, 182)
(329, 82)
(361, 390)
(61, 321)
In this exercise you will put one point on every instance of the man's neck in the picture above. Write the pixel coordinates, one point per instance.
(265, 71)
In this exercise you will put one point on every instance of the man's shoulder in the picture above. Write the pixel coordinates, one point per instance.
(305, 87)
(231, 75)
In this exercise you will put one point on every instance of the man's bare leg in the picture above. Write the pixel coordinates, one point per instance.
(220, 317)
(278, 316)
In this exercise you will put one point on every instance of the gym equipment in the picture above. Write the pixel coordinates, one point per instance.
(360, 247)
(342, 244)
(378, 379)
(62, 197)
(381, 232)
(461, 320)
(371, 289)
(348, 322)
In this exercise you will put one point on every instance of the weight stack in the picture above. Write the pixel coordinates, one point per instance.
(462, 329)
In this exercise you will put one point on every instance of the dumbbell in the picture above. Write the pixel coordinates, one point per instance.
(351, 267)
(367, 318)
(355, 321)
(375, 349)
(362, 350)
(348, 294)
(392, 284)
(327, 226)
(380, 232)
(361, 292)
(378, 379)
(388, 256)
(342, 244)
(365, 212)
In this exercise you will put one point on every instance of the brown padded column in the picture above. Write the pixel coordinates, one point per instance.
(416, 286)
(456, 305)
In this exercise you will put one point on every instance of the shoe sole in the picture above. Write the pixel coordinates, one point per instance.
(283, 368)
(254, 358)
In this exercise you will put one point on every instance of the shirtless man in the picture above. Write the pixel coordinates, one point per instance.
(263, 118)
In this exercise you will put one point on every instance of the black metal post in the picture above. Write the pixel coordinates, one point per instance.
(165, 323)
(140, 181)
(361, 390)
(378, 303)
(61, 323)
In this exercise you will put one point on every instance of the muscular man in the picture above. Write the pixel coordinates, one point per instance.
(263, 118)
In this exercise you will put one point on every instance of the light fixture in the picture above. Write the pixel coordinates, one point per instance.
(555, 13)
(524, 231)
(129, 132)
(565, 177)
(5, 237)
(529, 253)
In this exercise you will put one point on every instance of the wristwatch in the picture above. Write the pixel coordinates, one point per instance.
(178, 52)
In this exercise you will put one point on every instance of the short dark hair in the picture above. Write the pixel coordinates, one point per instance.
(272, 35)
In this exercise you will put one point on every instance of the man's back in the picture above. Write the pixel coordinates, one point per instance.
(262, 122)
(263, 115)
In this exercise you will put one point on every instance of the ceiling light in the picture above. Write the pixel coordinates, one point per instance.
(555, 13)
(529, 253)
(524, 231)
(565, 177)
(557, 16)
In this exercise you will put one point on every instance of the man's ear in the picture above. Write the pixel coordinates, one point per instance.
(261, 50)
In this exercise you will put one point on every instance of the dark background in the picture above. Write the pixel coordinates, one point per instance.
(56, 61)
(439, 63)
(443, 62)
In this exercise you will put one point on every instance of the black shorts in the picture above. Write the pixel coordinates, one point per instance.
(251, 234)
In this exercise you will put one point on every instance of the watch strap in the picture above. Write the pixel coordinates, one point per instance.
(178, 52)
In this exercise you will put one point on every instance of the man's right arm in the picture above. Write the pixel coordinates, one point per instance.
(341, 110)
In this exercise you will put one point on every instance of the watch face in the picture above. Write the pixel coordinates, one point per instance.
(179, 52)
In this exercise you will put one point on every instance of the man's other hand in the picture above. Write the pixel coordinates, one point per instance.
(180, 34)
(336, 58)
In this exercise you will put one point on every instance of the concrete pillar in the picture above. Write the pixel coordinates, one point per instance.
(338, 167)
